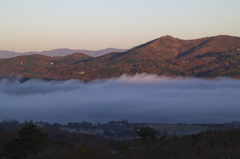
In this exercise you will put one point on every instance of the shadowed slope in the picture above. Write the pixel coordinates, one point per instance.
(204, 57)
(168, 47)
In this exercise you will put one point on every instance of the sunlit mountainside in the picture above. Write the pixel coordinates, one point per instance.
(204, 57)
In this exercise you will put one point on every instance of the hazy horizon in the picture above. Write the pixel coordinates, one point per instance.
(94, 25)
(63, 49)
(108, 47)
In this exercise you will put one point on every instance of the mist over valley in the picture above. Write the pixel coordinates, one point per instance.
(138, 98)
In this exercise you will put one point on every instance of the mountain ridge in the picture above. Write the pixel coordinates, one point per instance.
(60, 52)
(203, 57)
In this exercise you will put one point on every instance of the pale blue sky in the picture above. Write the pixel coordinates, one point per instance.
(37, 25)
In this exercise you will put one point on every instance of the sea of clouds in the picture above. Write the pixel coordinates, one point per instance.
(139, 98)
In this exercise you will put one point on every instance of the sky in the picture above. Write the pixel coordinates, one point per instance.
(27, 25)
(139, 98)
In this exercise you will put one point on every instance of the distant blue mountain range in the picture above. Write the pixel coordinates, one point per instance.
(61, 52)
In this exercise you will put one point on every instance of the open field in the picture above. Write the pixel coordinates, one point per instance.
(176, 127)
(84, 131)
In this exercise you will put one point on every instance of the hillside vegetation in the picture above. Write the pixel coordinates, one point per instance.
(205, 57)
(50, 141)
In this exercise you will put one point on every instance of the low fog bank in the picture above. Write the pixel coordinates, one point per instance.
(139, 98)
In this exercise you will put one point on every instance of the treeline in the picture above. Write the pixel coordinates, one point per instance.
(113, 128)
(30, 141)
(210, 64)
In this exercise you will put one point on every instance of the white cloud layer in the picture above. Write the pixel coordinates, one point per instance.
(139, 98)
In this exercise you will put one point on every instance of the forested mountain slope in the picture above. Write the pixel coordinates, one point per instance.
(204, 57)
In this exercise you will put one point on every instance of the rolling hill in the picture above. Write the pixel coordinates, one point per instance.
(204, 57)
(60, 52)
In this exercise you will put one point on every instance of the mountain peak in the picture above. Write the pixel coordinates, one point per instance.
(168, 36)
(168, 47)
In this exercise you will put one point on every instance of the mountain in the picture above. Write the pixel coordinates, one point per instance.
(61, 52)
(38, 65)
(168, 47)
(204, 57)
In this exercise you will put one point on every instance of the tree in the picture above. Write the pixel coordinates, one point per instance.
(2, 128)
(30, 140)
(147, 134)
